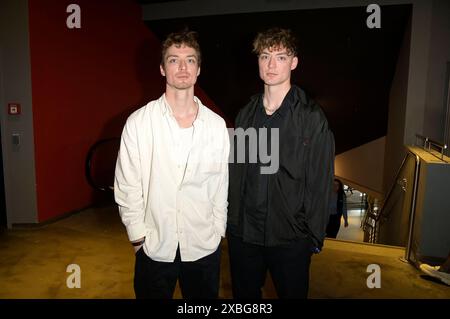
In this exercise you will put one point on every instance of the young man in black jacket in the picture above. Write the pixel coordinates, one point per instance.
(277, 220)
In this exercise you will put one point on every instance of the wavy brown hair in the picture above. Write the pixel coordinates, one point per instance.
(185, 37)
(275, 38)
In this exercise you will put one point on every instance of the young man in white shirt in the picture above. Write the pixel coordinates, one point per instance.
(171, 182)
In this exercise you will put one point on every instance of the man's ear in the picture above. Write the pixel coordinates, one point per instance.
(294, 63)
(198, 72)
(161, 69)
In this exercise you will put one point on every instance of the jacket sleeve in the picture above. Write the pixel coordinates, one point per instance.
(127, 184)
(319, 178)
(220, 202)
(234, 186)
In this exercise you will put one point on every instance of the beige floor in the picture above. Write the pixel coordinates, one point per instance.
(355, 211)
(34, 260)
(354, 231)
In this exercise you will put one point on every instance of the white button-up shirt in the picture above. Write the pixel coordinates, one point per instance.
(171, 199)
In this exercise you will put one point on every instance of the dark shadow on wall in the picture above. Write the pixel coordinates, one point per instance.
(152, 83)
(104, 154)
(101, 158)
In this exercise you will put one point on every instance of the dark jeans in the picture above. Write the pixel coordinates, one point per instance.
(333, 226)
(288, 266)
(198, 279)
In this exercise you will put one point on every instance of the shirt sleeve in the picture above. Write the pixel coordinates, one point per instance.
(220, 203)
(127, 184)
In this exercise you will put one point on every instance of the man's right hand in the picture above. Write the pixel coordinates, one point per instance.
(136, 248)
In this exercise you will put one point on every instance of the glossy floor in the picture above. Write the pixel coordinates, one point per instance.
(34, 261)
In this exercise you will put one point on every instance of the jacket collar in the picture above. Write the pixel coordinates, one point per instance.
(289, 102)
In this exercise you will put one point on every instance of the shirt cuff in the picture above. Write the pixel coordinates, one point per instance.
(220, 228)
(136, 231)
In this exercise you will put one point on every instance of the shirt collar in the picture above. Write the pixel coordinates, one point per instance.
(166, 110)
(201, 116)
(287, 104)
(289, 101)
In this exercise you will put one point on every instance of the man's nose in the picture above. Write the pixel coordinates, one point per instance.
(182, 65)
(272, 62)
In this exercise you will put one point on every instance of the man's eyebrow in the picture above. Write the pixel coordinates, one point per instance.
(177, 56)
(281, 53)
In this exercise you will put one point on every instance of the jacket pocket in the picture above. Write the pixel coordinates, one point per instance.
(292, 156)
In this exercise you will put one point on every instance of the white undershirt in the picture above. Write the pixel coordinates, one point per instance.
(182, 147)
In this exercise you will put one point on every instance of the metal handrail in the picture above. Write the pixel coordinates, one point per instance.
(412, 213)
(369, 224)
(391, 190)
(376, 217)
(427, 143)
(424, 138)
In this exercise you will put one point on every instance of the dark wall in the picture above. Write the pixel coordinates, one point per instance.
(346, 66)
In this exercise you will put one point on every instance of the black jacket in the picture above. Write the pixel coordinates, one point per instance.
(299, 193)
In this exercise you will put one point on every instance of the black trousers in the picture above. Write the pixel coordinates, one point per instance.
(288, 266)
(334, 223)
(157, 280)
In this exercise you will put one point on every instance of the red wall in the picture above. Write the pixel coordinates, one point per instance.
(85, 83)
